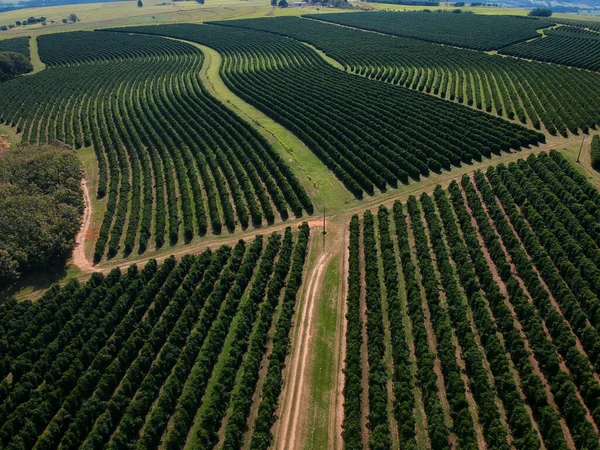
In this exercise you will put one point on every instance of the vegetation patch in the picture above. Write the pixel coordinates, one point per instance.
(559, 99)
(571, 47)
(144, 344)
(16, 45)
(370, 135)
(173, 162)
(41, 203)
(521, 237)
(474, 31)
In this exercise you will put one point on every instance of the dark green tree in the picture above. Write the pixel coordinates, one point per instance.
(595, 152)
(41, 204)
(13, 64)
(540, 12)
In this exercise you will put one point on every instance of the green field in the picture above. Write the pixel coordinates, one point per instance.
(453, 302)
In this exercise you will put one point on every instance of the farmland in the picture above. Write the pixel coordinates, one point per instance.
(18, 45)
(341, 230)
(254, 58)
(531, 94)
(568, 46)
(497, 267)
(129, 345)
(466, 30)
(234, 187)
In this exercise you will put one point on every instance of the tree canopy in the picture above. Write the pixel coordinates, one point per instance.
(13, 64)
(540, 12)
(41, 203)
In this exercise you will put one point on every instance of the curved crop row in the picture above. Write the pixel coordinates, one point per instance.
(369, 135)
(557, 98)
(79, 47)
(473, 31)
(173, 162)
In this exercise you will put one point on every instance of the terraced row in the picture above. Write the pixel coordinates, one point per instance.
(473, 31)
(556, 98)
(490, 292)
(576, 49)
(369, 135)
(173, 162)
(163, 355)
(81, 47)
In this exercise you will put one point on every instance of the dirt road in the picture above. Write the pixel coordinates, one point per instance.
(293, 414)
(79, 258)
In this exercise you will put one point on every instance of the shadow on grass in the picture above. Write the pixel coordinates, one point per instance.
(34, 282)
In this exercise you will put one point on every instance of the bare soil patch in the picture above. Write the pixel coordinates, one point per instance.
(4, 144)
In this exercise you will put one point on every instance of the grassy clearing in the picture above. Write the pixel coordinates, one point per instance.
(584, 165)
(323, 374)
(11, 134)
(37, 63)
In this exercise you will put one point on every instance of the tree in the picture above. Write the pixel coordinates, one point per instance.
(283, 4)
(73, 18)
(595, 152)
(18, 23)
(273, 3)
(140, 4)
(41, 204)
(13, 64)
(540, 12)
(3, 28)
(65, 21)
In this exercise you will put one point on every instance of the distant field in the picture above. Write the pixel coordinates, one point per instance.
(569, 46)
(472, 31)
(99, 15)
(475, 9)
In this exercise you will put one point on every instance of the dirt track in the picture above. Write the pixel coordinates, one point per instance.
(337, 409)
(295, 382)
(4, 143)
(292, 422)
(79, 258)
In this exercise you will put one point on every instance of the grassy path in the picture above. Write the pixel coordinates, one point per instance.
(38, 65)
(320, 184)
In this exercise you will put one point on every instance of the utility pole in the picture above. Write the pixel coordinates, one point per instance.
(580, 148)
(324, 231)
